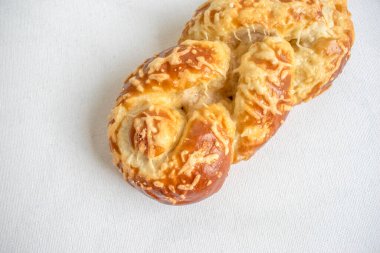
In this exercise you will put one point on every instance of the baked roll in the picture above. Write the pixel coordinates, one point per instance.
(185, 115)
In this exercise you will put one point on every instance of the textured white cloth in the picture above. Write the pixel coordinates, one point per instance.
(314, 188)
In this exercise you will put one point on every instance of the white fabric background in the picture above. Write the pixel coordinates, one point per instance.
(314, 188)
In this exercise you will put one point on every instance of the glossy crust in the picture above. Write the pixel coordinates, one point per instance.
(171, 134)
(320, 34)
(187, 114)
(263, 94)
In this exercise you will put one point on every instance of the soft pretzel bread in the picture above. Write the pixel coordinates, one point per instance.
(187, 114)
(320, 32)
(170, 133)
(263, 94)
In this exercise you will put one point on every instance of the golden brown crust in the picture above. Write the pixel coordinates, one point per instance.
(171, 134)
(321, 33)
(263, 94)
(185, 115)
(197, 168)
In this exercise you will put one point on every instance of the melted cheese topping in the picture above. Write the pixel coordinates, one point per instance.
(282, 53)
(173, 58)
(225, 141)
(304, 22)
(159, 77)
(257, 80)
(190, 187)
(156, 132)
(198, 157)
(256, 134)
(261, 97)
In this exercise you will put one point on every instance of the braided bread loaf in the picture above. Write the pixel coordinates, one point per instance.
(187, 114)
